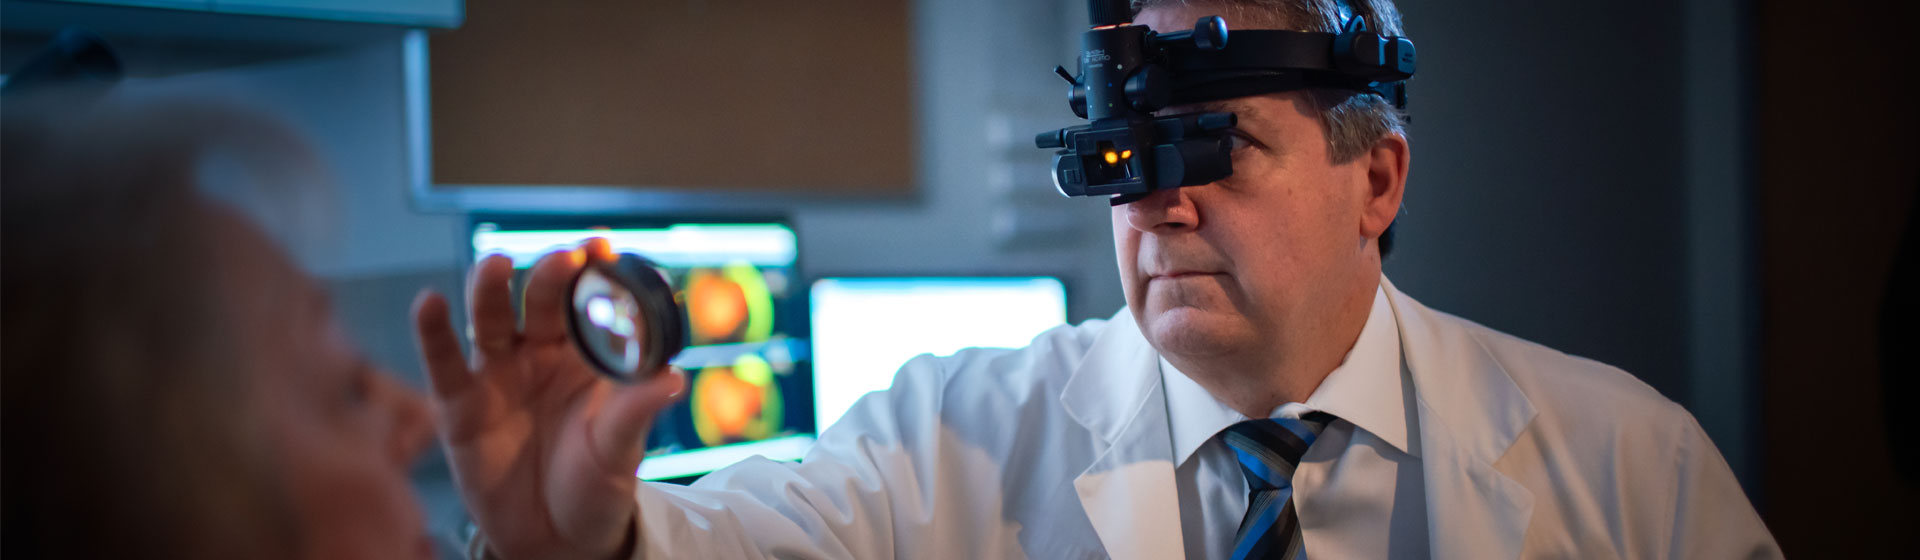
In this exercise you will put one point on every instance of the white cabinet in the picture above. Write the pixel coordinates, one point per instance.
(420, 13)
(433, 13)
(201, 5)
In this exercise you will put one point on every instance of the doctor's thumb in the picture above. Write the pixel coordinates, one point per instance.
(620, 429)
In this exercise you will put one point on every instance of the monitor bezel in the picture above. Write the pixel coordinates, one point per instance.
(1066, 282)
(622, 221)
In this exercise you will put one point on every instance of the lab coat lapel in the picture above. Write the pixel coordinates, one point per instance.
(1470, 413)
(1128, 492)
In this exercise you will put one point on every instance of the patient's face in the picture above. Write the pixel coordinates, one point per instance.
(341, 430)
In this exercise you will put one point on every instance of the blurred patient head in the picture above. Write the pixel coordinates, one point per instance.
(174, 385)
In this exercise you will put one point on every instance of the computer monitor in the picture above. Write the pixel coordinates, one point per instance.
(864, 329)
(747, 356)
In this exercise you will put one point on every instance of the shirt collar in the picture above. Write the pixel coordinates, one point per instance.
(1365, 390)
(1193, 415)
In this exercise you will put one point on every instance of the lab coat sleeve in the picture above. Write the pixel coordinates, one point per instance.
(1712, 516)
(866, 483)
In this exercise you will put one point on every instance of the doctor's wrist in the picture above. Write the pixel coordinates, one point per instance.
(477, 545)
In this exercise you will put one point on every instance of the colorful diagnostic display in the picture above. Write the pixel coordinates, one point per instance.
(747, 355)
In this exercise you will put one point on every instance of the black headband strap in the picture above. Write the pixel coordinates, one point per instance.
(1262, 49)
(1257, 61)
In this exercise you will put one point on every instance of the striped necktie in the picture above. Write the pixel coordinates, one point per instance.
(1268, 450)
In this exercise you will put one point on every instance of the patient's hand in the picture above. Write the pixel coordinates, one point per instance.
(543, 449)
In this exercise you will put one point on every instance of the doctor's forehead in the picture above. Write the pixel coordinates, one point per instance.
(1244, 107)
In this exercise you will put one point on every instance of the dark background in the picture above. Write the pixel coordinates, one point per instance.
(1835, 188)
(1711, 195)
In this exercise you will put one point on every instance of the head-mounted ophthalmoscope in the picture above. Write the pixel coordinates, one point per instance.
(1127, 72)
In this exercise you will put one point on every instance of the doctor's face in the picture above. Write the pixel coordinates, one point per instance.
(1224, 268)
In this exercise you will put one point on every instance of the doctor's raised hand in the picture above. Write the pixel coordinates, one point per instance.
(543, 449)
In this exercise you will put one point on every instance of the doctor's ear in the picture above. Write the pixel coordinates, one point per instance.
(1385, 166)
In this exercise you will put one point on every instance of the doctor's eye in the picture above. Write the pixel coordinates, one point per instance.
(1239, 141)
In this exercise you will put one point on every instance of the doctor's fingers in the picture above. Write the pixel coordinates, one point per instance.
(440, 351)
(599, 249)
(546, 295)
(490, 305)
(620, 430)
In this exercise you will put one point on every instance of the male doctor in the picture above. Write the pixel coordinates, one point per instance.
(1265, 393)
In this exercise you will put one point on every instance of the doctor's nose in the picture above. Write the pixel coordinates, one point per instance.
(1164, 211)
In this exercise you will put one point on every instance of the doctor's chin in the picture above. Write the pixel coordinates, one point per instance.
(998, 279)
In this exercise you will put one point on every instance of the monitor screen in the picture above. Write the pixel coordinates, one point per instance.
(864, 329)
(747, 356)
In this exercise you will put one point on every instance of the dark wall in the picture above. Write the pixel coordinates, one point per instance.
(1547, 194)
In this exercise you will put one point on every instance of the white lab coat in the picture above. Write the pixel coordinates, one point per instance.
(1061, 450)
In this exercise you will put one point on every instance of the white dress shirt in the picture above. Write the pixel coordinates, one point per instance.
(1375, 438)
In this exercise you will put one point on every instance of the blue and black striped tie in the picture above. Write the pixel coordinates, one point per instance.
(1268, 450)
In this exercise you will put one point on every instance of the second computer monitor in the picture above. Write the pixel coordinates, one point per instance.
(864, 329)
